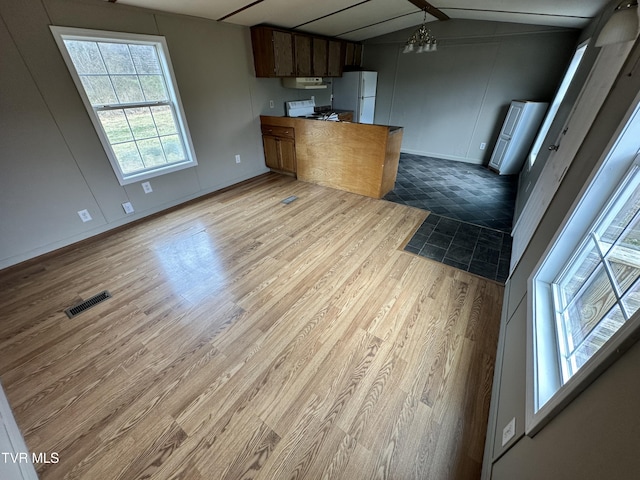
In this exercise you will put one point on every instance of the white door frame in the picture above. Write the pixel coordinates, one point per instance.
(603, 74)
(12, 443)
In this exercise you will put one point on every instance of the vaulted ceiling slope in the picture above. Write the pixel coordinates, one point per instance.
(361, 19)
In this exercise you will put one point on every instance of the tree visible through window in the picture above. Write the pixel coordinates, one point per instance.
(126, 83)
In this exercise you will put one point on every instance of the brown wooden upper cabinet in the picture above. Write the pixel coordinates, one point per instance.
(336, 58)
(320, 48)
(302, 49)
(283, 53)
(272, 52)
(353, 54)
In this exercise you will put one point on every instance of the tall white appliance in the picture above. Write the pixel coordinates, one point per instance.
(356, 91)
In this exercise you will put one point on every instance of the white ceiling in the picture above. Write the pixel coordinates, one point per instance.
(362, 19)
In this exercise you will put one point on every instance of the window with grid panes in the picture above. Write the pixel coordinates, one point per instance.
(599, 288)
(126, 82)
(584, 295)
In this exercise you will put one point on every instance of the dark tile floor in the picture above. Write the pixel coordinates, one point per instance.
(471, 248)
(462, 191)
(471, 213)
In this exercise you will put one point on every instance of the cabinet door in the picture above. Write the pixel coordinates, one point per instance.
(336, 59)
(287, 154)
(353, 54)
(345, 116)
(262, 45)
(499, 153)
(349, 53)
(320, 57)
(283, 54)
(271, 154)
(303, 55)
(511, 121)
(357, 57)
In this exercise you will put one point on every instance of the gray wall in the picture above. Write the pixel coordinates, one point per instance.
(597, 435)
(452, 100)
(530, 175)
(52, 162)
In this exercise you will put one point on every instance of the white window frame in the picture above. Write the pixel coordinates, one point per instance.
(159, 42)
(569, 75)
(546, 393)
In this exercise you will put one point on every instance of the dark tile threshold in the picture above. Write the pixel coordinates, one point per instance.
(474, 249)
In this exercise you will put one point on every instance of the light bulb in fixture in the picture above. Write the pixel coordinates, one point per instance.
(422, 38)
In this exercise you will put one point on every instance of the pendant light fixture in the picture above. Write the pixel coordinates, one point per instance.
(421, 40)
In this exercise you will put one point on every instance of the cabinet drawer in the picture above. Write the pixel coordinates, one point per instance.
(277, 131)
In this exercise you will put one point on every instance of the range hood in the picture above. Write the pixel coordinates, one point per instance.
(304, 83)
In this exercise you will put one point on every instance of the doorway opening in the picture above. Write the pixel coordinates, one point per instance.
(555, 105)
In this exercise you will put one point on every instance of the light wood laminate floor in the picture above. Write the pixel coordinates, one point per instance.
(247, 338)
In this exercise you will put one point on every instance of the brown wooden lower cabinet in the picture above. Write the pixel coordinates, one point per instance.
(345, 116)
(279, 148)
(287, 154)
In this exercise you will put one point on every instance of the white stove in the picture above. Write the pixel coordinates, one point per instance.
(301, 108)
(306, 109)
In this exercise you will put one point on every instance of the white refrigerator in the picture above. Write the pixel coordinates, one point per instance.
(356, 91)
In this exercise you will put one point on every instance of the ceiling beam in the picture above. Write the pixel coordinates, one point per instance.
(242, 9)
(376, 23)
(515, 12)
(332, 13)
(430, 9)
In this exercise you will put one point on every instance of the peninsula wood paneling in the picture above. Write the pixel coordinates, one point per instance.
(247, 338)
(356, 157)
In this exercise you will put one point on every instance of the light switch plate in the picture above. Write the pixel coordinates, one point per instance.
(128, 208)
(508, 431)
(84, 215)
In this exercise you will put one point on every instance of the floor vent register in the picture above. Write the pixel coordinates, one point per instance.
(87, 304)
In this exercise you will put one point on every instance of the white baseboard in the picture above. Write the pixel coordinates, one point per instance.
(8, 262)
(455, 158)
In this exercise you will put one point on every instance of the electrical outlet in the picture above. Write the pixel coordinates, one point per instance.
(271, 105)
(313, 97)
(128, 208)
(237, 158)
(508, 431)
(84, 215)
(483, 146)
(146, 186)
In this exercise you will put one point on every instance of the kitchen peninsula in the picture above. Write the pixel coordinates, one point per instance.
(356, 157)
